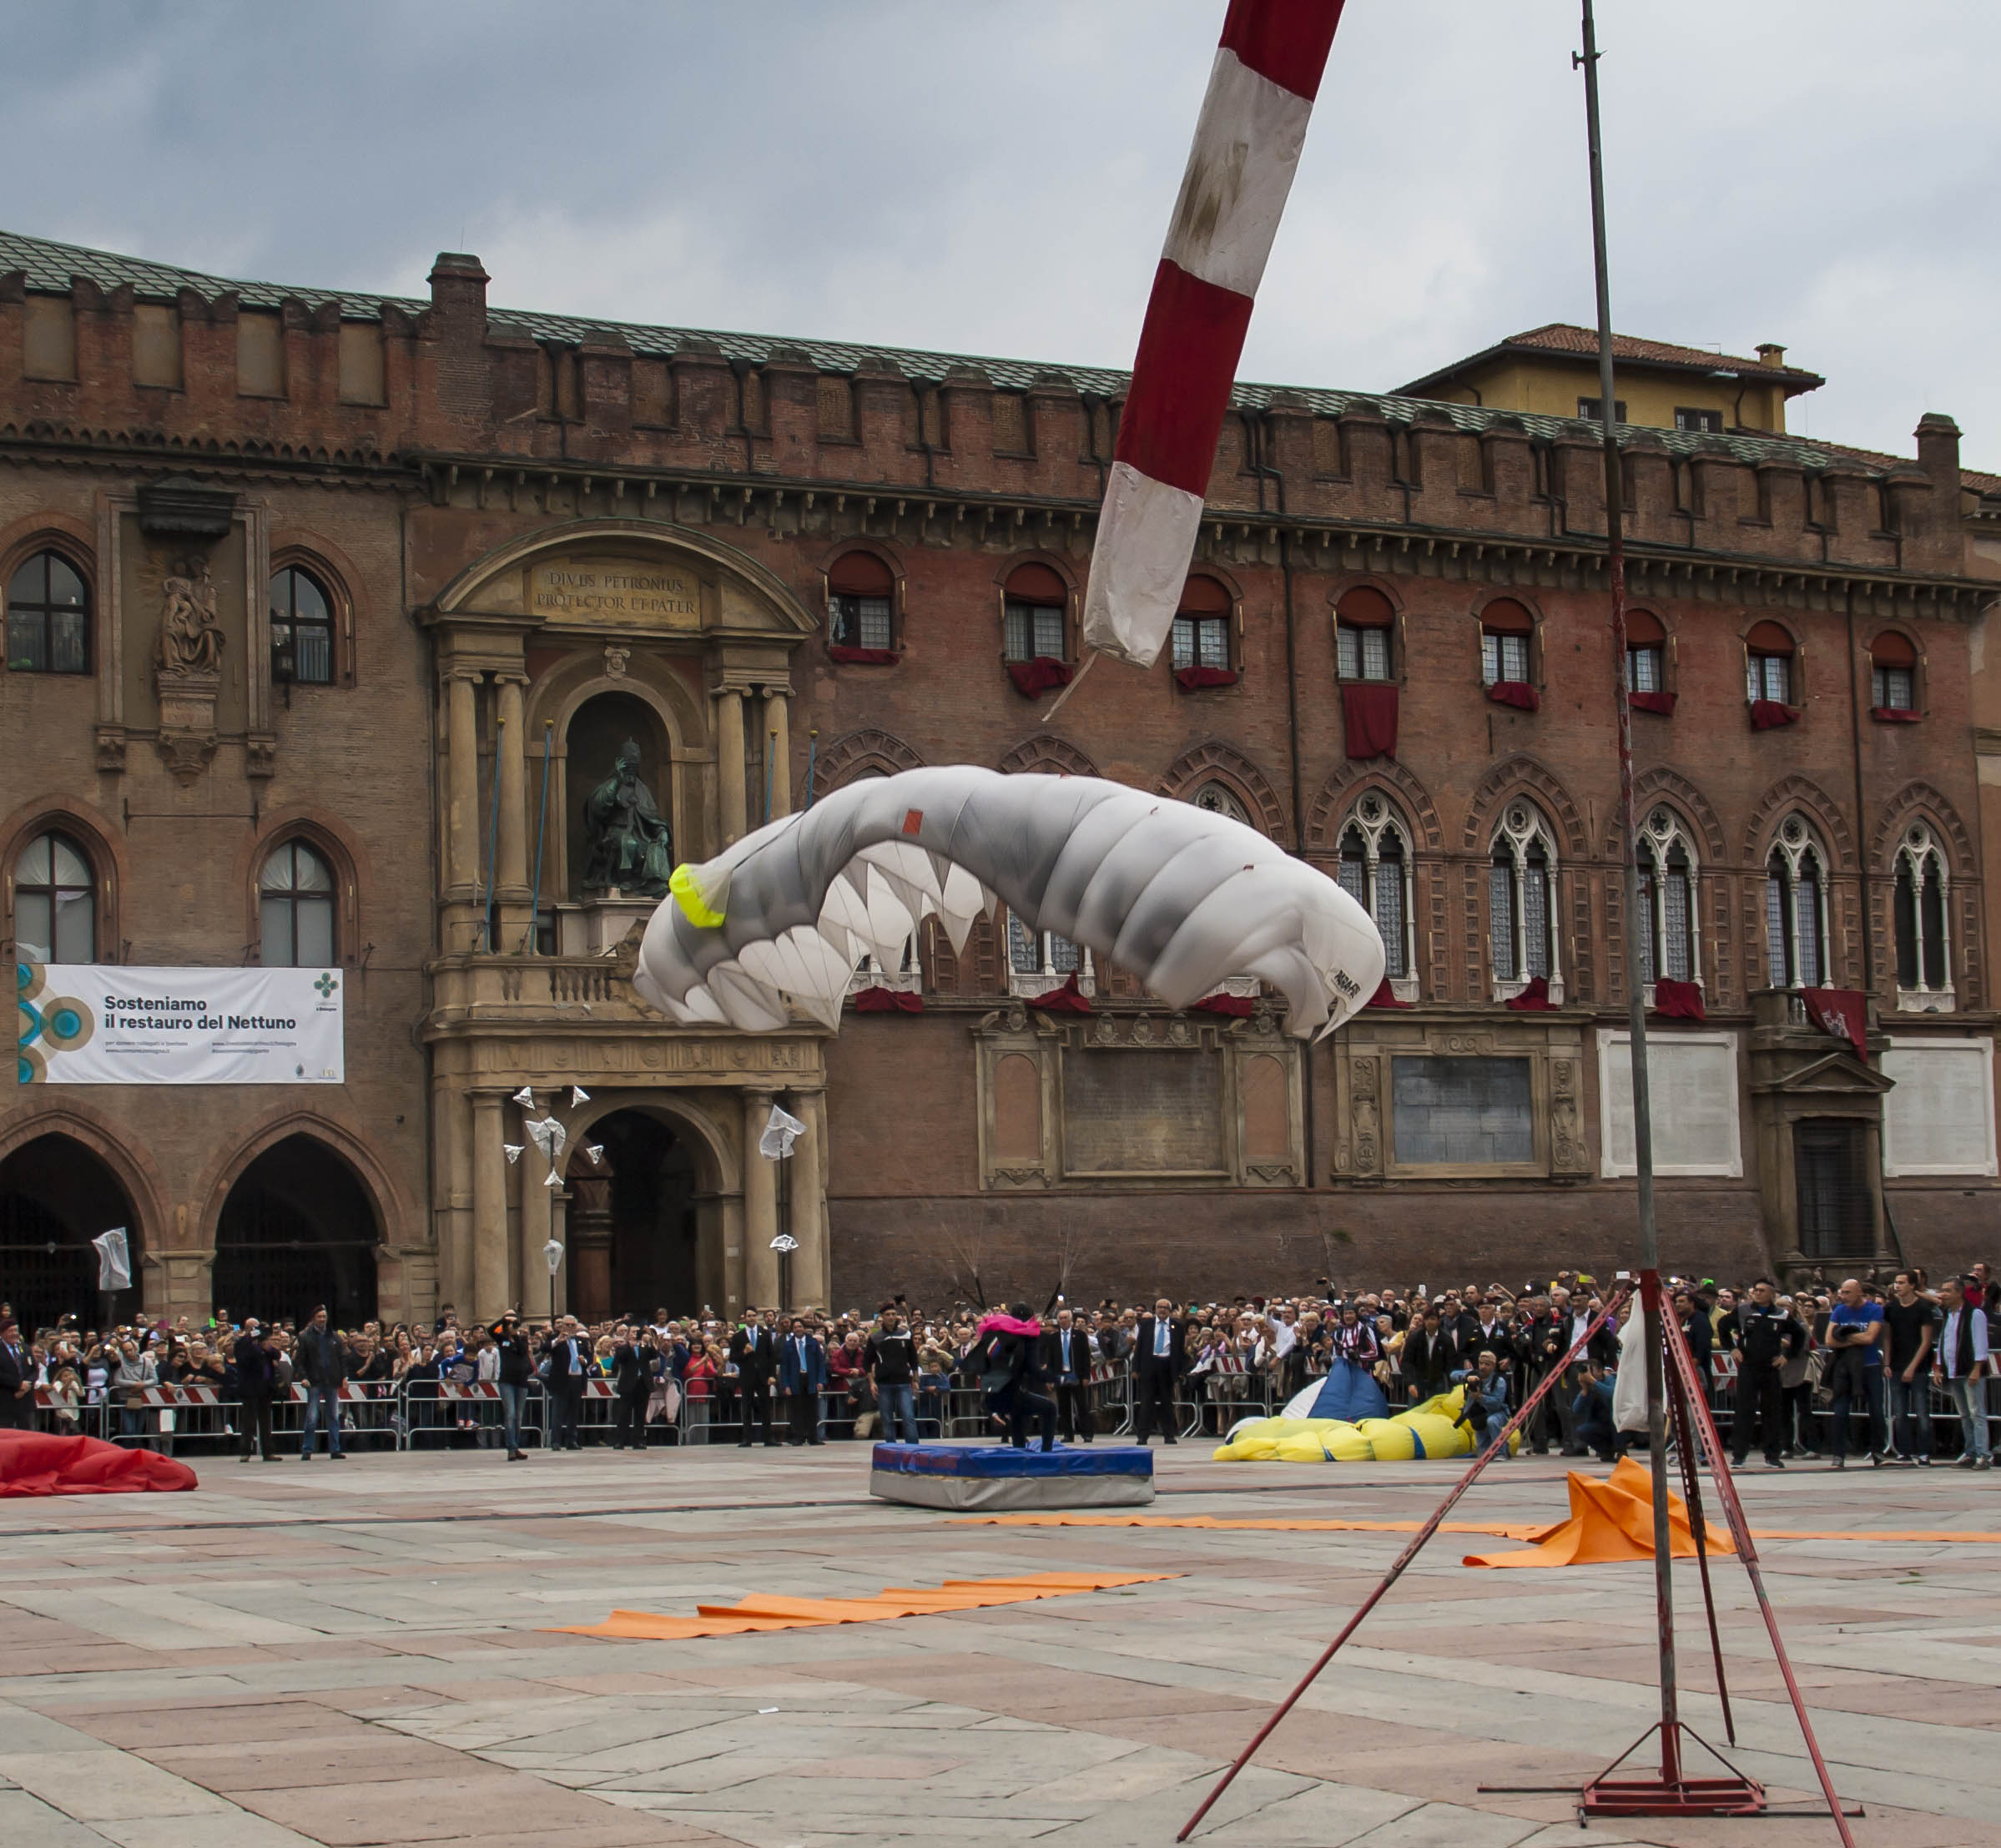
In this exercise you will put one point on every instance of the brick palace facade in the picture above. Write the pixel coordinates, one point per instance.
(450, 542)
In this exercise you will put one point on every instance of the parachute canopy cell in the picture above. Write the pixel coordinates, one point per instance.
(1180, 897)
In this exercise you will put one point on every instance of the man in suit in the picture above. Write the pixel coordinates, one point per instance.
(16, 1379)
(1160, 1358)
(568, 1356)
(1066, 1356)
(633, 1367)
(754, 1350)
(256, 1378)
(802, 1375)
(1428, 1358)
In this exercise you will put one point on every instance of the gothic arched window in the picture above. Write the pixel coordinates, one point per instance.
(1521, 896)
(55, 903)
(1924, 974)
(1375, 872)
(1668, 948)
(1796, 908)
(295, 907)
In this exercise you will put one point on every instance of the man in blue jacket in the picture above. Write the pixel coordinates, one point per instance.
(802, 1373)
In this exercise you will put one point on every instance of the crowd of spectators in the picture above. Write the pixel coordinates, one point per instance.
(1838, 1369)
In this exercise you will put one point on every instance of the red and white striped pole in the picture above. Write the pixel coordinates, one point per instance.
(1240, 169)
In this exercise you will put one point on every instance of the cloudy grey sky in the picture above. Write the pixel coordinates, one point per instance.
(994, 176)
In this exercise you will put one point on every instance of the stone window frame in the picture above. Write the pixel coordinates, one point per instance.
(1794, 844)
(74, 553)
(1374, 818)
(1018, 1031)
(1522, 824)
(1666, 828)
(1921, 863)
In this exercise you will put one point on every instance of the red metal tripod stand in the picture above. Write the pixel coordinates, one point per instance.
(1672, 1792)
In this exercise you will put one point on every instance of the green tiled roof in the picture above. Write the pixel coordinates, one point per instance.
(48, 266)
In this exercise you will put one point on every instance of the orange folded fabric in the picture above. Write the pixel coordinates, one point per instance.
(769, 1611)
(1610, 1521)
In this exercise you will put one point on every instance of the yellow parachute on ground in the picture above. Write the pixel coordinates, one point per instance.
(1425, 1430)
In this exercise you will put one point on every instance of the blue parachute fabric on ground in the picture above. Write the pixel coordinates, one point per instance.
(1348, 1392)
(990, 1460)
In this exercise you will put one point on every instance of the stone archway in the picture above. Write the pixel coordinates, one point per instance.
(298, 1228)
(56, 1196)
(649, 1225)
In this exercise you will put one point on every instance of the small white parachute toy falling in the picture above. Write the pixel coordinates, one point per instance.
(1180, 897)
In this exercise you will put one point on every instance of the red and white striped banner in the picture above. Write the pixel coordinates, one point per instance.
(1240, 169)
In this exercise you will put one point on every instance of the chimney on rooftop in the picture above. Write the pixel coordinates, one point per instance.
(1769, 352)
(458, 287)
(1939, 452)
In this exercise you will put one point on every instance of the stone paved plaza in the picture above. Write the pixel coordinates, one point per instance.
(362, 1653)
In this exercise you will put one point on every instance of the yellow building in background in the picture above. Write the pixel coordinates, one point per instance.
(1553, 372)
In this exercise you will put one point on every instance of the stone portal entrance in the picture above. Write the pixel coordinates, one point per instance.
(297, 1229)
(635, 1235)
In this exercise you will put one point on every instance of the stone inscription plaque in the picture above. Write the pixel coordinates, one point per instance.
(644, 593)
(1143, 1112)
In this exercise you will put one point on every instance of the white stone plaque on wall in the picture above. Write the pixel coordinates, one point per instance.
(1693, 1083)
(1940, 1119)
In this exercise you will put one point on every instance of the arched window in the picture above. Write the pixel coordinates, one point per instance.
(55, 903)
(1506, 629)
(1202, 626)
(1924, 975)
(1892, 673)
(1668, 949)
(1376, 873)
(1363, 622)
(1219, 799)
(1521, 899)
(302, 630)
(1035, 607)
(1646, 653)
(296, 898)
(1796, 908)
(47, 617)
(1040, 960)
(860, 600)
(1768, 673)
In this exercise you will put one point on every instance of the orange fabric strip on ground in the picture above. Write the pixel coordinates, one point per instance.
(771, 1611)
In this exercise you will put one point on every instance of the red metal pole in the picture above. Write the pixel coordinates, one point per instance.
(1403, 1559)
(1740, 1530)
(1698, 1526)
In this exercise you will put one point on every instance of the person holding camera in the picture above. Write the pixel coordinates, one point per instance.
(1484, 1404)
(513, 1359)
(1855, 1369)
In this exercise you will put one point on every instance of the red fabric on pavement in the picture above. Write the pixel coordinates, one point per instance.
(1033, 678)
(1368, 718)
(1662, 704)
(1766, 714)
(1534, 997)
(888, 1000)
(1678, 1000)
(34, 1462)
(1069, 999)
(1841, 1012)
(1516, 692)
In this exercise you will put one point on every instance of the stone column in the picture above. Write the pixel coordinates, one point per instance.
(729, 763)
(490, 1268)
(462, 774)
(538, 1210)
(812, 1274)
(777, 745)
(510, 761)
(453, 1120)
(760, 1208)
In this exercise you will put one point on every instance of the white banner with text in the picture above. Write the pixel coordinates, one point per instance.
(105, 1024)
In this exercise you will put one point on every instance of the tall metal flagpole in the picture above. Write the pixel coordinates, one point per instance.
(1636, 976)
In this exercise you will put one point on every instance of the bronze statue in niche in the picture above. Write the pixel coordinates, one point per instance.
(629, 847)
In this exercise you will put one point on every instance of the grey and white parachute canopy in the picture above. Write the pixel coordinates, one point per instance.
(1179, 896)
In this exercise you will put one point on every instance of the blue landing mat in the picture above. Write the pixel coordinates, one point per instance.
(990, 1461)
